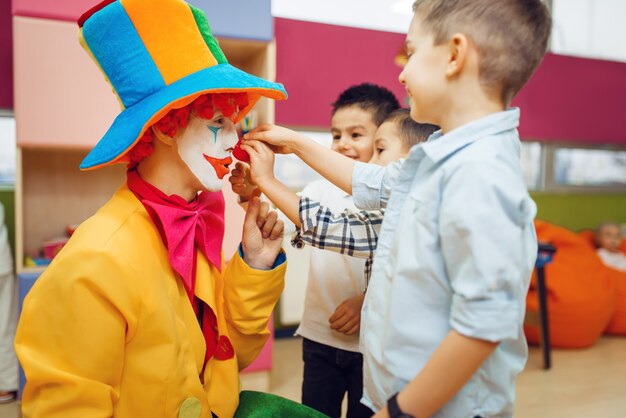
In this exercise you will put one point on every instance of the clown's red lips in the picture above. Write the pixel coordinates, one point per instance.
(220, 165)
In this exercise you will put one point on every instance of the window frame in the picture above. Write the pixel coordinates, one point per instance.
(8, 113)
(550, 185)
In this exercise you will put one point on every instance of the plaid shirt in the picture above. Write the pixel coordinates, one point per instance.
(354, 233)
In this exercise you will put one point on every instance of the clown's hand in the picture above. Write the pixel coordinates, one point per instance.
(241, 182)
(262, 235)
(281, 140)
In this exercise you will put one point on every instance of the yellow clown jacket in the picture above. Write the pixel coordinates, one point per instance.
(108, 330)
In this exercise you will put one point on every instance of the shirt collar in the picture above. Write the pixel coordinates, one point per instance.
(440, 145)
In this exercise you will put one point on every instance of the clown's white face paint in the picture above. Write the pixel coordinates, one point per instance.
(205, 146)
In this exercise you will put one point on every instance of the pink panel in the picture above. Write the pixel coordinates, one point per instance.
(316, 62)
(264, 360)
(58, 10)
(6, 56)
(234, 220)
(575, 100)
(61, 97)
(232, 237)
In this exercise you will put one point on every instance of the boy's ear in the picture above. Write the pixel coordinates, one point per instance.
(458, 48)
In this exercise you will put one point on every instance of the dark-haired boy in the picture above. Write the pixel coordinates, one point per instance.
(442, 320)
(330, 322)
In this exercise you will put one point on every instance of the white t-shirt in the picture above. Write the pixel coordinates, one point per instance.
(613, 260)
(333, 277)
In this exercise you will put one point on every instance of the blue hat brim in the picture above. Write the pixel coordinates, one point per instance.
(129, 125)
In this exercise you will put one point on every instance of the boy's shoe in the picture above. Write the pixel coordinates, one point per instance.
(7, 396)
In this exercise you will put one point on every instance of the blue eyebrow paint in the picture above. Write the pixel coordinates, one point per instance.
(215, 130)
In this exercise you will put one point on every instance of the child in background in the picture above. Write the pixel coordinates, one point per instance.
(608, 240)
(396, 136)
(330, 323)
(442, 321)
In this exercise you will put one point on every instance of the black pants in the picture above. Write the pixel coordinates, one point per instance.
(328, 374)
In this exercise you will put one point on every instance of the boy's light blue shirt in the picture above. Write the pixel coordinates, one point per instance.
(456, 251)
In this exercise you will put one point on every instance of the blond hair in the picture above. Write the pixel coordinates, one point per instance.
(511, 36)
(410, 132)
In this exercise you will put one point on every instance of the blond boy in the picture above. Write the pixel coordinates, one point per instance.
(441, 330)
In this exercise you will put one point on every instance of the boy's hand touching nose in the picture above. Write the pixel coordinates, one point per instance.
(262, 174)
(347, 317)
(241, 182)
(280, 139)
(261, 161)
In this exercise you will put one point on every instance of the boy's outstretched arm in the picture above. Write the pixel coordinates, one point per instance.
(351, 232)
(330, 164)
(262, 174)
(445, 373)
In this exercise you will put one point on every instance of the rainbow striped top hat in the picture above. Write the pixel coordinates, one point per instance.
(157, 55)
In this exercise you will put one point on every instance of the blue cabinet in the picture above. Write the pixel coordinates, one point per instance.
(25, 283)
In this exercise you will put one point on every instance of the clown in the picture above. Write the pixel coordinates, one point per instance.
(139, 316)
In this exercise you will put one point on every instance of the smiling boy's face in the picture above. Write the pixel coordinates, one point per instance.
(424, 75)
(206, 146)
(609, 238)
(388, 145)
(353, 133)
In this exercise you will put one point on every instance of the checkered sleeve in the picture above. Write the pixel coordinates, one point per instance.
(353, 233)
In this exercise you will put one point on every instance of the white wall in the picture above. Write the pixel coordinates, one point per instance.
(590, 28)
(385, 15)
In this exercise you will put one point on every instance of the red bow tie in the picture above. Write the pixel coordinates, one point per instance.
(183, 225)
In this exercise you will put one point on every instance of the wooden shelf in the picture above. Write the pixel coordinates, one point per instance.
(53, 193)
(257, 58)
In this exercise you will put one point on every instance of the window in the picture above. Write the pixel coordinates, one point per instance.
(589, 167)
(545, 166)
(7, 152)
(532, 164)
(550, 167)
(292, 171)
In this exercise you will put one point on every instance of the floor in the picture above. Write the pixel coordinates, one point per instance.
(581, 384)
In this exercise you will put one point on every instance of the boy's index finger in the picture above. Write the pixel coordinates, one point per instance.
(248, 147)
(252, 135)
(253, 144)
